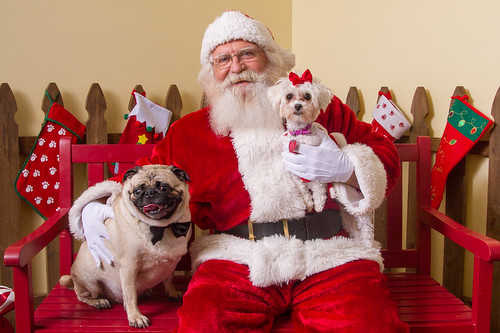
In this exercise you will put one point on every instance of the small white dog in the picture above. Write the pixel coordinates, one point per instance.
(299, 100)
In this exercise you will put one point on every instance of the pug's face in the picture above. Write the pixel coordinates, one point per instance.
(156, 190)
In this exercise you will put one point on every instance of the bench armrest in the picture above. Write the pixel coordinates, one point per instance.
(22, 252)
(486, 248)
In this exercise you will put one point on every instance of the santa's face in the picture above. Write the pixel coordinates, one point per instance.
(235, 57)
(236, 86)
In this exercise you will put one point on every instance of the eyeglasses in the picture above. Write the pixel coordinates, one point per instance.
(244, 56)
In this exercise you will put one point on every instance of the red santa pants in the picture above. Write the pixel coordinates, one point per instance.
(349, 298)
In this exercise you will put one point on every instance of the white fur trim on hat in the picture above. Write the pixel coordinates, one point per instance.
(234, 25)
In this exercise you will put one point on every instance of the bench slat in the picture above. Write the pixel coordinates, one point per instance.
(435, 309)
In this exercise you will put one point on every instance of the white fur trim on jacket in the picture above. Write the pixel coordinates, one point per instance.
(358, 206)
(274, 191)
(276, 260)
(106, 189)
(372, 179)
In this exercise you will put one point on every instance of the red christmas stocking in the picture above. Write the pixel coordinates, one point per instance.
(147, 123)
(6, 300)
(465, 126)
(6, 305)
(38, 181)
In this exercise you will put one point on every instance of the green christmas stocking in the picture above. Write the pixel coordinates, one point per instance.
(465, 126)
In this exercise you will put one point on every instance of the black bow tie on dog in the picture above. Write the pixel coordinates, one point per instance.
(179, 230)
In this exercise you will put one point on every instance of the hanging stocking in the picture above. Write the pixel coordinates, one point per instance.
(147, 123)
(38, 181)
(6, 305)
(388, 120)
(6, 300)
(465, 126)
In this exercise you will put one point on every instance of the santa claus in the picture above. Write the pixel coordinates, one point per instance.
(267, 255)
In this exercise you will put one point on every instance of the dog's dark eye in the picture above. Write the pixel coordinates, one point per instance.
(307, 97)
(289, 97)
(137, 192)
(164, 187)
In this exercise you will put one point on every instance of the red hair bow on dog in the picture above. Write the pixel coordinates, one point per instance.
(296, 80)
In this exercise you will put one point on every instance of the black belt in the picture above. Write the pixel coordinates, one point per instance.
(321, 225)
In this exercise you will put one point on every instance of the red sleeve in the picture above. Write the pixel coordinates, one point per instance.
(338, 117)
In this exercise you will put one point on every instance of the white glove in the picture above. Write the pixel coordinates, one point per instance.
(93, 216)
(325, 163)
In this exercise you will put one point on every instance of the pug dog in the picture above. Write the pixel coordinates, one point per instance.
(148, 237)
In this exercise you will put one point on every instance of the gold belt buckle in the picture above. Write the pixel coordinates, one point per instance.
(251, 235)
(285, 228)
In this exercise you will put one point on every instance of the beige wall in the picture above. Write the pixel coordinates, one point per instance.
(368, 44)
(117, 43)
(403, 45)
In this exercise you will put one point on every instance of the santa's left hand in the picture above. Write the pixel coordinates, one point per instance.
(325, 163)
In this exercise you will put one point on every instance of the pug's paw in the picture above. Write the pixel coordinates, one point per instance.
(175, 295)
(139, 321)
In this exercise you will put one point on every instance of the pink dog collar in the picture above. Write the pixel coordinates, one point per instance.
(303, 131)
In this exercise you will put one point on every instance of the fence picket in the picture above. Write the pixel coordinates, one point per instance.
(493, 211)
(10, 218)
(12, 146)
(456, 201)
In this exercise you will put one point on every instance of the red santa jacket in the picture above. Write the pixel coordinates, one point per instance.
(241, 176)
(218, 195)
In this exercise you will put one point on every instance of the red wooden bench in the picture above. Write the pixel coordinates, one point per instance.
(423, 303)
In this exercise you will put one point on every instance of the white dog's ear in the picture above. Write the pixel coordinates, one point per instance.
(325, 96)
(275, 96)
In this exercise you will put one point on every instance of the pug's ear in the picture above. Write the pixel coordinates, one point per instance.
(130, 173)
(181, 174)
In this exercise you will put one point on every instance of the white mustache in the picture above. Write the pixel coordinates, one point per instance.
(247, 75)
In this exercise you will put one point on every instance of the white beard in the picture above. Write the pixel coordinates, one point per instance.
(243, 107)
(246, 115)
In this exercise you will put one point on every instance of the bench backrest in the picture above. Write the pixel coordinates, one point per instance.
(406, 242)
(399, 235)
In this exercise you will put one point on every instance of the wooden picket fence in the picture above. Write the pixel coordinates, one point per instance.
(15, 149)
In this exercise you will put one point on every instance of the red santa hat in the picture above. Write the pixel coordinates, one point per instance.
(234, 25)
